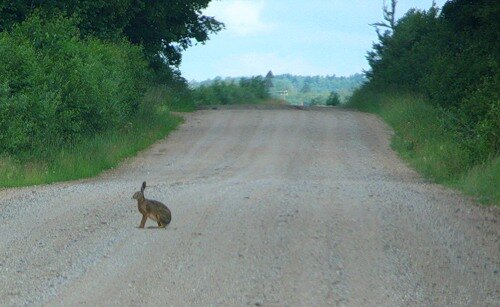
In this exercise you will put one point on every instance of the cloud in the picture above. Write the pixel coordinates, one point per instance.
(242, 17)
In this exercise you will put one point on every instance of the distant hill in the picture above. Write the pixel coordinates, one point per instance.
(305, 90)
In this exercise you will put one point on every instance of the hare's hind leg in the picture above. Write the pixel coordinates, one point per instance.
(143, 221)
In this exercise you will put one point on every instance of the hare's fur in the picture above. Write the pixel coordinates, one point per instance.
(153, 209)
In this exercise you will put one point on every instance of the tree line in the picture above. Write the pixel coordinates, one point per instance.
(242, 91)
(450, 58)
(317, 90)
(308, 90)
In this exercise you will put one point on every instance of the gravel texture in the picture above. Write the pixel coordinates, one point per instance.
(276, 206)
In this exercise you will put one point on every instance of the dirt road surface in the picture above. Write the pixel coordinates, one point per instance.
(270, 207)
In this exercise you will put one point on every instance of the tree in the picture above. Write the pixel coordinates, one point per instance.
(256, 85)
(401, 58)
(166, 27)
(306, 88)
(389, 17)
(333, 99)
(269, 80)
(316, 101)
(450, 58)
(163, 28)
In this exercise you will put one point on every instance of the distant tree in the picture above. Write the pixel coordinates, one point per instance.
(316, 101)
(306, 88)
(320, 86)
(257, 85)
(269, 80)
(333, 99)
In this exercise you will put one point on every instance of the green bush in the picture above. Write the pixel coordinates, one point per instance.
(450, 58)
(333, 99)
(423, 138)
(247, 90)
(169, 97)
(91, 155)
(56, 88)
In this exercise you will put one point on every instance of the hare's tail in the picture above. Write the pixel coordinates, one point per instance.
(166, 218)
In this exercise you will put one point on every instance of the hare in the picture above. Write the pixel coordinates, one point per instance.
(153, 209)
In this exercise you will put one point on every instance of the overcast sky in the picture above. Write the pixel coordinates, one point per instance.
(303, 37)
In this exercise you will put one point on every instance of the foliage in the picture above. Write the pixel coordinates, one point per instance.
(176, 98)
(422, 137)
(389, 18)
(333, 99)
(246, 90)
(320, 87)
(482, 182)
(56, 88)
(72, 74)
(167, 27)
(162, 27)
(316, 101)
(450, 57)
(91, 155)
(449, 60)
(315, 90)
(269, 79)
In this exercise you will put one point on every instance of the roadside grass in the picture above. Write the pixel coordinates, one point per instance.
(422, 140)
(91, 156)
(482, 181)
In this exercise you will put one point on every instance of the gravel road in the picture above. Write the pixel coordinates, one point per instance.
(270, 207)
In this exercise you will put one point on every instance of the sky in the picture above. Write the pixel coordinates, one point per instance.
(301, 37)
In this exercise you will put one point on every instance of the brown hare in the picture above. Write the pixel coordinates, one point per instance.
(153, 209)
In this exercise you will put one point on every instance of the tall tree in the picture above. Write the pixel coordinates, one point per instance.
(451, 58)
(163, 27)
(167, 27)
(389, 17)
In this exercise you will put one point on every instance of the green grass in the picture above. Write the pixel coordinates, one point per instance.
(92, 156)
(482, 181)
(423, 141)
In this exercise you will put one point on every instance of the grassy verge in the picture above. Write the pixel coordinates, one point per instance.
(422, 139)
(176, 100)
(482, 182)
(90, 157)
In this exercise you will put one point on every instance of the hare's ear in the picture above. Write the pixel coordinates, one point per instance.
(143, 186)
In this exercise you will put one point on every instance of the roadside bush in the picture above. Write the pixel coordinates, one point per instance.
(247, 90)
(56, 88)
(91, 155)
(448, 57)
(423, 137)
